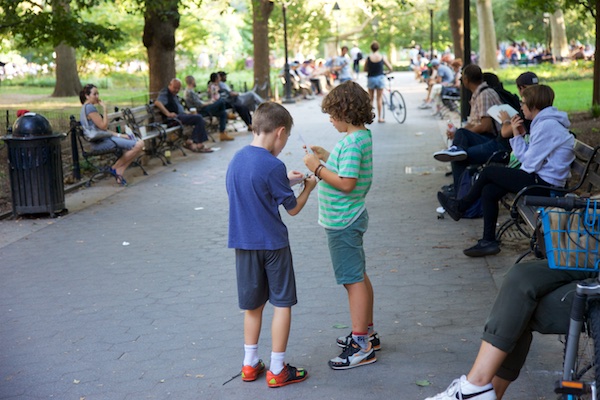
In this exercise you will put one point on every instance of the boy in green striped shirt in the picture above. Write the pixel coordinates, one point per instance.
(346, 175)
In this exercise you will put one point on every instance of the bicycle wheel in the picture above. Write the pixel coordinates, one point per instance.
(588, 355)
(384, 105)
(398, 106)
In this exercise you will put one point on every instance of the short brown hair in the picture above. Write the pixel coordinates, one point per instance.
(538, 97)
(269, 116)
(350, 103)
(374, 46)
(473, 73)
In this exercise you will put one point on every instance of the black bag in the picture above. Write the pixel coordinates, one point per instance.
(359, 56)
(466, 181)
(507, 97)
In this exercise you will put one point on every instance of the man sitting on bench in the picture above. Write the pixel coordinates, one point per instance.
(169, 105)
(216, 108)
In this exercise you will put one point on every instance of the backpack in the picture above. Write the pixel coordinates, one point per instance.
(466, 181)
(507, 97)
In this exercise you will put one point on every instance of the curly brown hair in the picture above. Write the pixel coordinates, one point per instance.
(350, 103)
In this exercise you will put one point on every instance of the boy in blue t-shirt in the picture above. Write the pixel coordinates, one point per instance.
(257, 184)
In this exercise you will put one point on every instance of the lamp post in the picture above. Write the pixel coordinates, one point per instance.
(288, 99)
(335, 9)
(431, 5)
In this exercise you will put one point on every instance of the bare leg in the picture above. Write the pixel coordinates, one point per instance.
(359, 299)
(371, 95)
(488, 361)
(500, 386)
(379, 104)
(280, 328)
(371, 298)
(128, 157)
(252, 325)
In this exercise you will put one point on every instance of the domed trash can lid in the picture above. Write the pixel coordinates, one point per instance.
(31, 124)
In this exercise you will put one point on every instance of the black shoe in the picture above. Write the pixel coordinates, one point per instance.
(483, 248)
(450, 204)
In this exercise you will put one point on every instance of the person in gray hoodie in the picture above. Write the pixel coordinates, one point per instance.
(545, 161)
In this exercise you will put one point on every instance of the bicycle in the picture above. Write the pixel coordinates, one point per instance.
(572, 242)
(394, 102)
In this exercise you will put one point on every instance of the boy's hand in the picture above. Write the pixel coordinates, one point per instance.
(310, 183)
(295, 177)
(320, 152)
(312, 161)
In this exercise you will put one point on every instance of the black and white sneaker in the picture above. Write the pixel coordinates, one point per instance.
(452, 153)
(344, 341)
(353, 356)
(458, 391)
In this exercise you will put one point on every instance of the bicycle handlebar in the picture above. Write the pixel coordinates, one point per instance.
(567, 202)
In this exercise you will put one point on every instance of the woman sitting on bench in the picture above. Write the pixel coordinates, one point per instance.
(95, 127)
(545, 161)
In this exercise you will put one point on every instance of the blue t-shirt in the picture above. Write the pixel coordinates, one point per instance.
(257, 184)
(446, 74)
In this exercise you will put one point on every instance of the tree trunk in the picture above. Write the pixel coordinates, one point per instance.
(261, 10)
(67, 78)
(560, 46)
(487, 35)
(161, 20)
(455, 14)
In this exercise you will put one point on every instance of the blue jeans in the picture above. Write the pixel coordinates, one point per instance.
(217, 109)
(199, 134)
(479, 148)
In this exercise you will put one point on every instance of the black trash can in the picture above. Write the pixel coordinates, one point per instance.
(35, 167)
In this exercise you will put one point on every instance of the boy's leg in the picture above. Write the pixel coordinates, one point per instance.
(280, 328)
(252, 325)
(252, 366)
(359, 300)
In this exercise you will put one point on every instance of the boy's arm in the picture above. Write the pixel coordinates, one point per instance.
(344, 184)
(312, 163)
(309, 185)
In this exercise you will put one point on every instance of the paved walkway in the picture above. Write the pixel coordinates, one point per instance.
(132, 294)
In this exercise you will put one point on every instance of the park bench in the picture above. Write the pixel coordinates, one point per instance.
(160, 137)
(100, 160)
(584, 181)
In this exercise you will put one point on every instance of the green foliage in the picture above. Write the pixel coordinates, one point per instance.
(576, 70)
(596, 112)
(53, 23)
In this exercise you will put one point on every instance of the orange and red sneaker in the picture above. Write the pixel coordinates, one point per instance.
(287, 376)
(251, 373)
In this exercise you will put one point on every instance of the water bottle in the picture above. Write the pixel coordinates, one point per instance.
(451, 129)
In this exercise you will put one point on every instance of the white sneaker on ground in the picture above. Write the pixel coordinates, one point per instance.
(453, 153)
(425, 105)
(461, 389)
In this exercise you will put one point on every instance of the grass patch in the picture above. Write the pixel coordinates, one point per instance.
(570, 96)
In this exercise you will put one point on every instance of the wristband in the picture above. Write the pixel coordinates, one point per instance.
(319, 168)
(506, 122)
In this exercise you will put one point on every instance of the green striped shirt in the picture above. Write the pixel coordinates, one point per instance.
(352, 157)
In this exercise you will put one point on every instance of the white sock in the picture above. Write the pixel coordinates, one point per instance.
(276, 365)
(468, 387)
(250, 354)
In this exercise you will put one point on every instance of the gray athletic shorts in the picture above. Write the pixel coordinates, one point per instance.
(265, 275)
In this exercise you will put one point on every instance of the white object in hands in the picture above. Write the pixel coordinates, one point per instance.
(494, 111)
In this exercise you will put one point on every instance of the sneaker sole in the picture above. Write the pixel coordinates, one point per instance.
(479, 253)
(277, 385)
(366, 361)
(449, 158)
